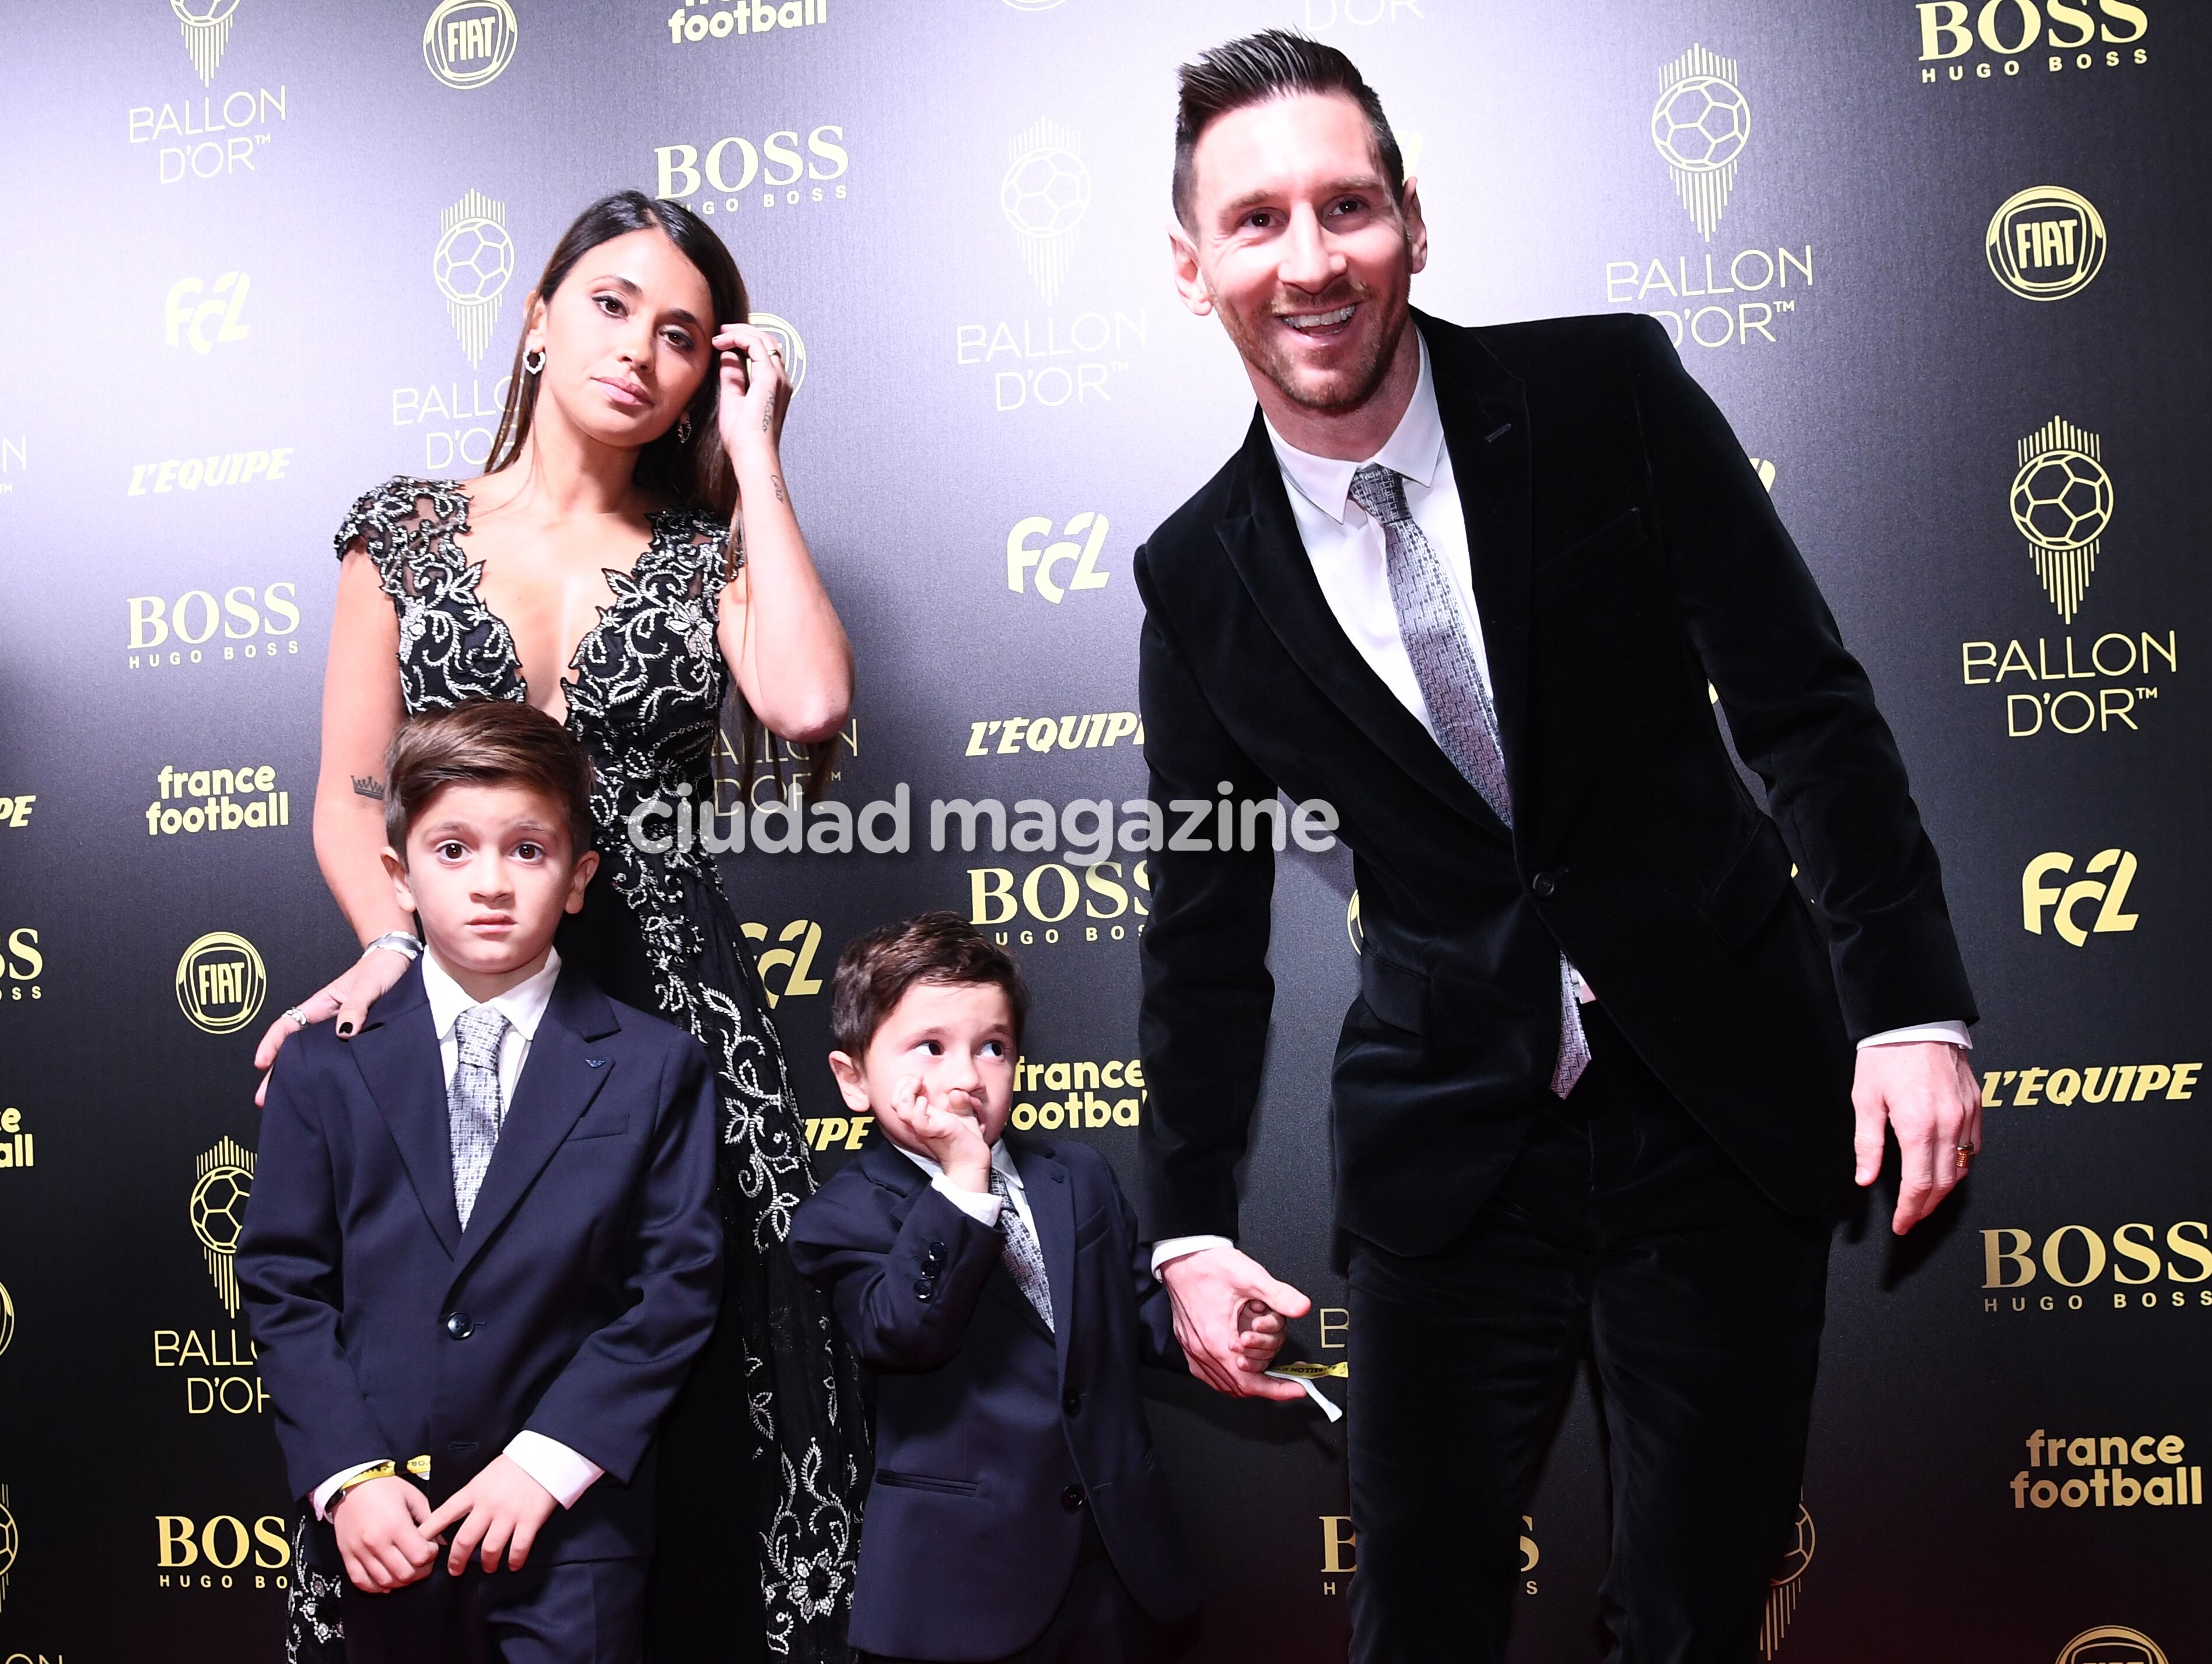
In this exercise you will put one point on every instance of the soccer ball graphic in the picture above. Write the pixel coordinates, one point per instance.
(1799, 1554)
(2061, 500)
(7, 1541)
(1701, 124)
(473, 261)
(219, 1207)
(1045, 192)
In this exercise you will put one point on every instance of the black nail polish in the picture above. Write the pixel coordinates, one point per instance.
(345, 1031)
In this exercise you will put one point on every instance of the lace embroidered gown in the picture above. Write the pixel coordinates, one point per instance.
(656, 932)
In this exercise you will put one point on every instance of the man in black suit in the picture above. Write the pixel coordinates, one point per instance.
(482, 1250)
(1471, 587)
(995, 1288)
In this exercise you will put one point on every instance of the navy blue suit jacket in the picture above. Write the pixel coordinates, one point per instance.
(587, 1280)
(993, 1433)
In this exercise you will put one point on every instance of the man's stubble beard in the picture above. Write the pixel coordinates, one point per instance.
(1339, 391)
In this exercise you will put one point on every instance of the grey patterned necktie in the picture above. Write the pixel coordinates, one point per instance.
(1452, 685)
(1024, 1261)
(472, 1102)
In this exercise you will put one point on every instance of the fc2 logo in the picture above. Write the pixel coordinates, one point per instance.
(2036, 897)
(1023, 557)
(203, 323)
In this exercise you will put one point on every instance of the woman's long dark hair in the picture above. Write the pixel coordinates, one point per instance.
(692, 473)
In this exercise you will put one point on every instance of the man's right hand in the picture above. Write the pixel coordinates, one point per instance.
(380, 1532)
(1212, 1290)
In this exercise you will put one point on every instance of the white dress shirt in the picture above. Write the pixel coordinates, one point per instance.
(982, 1206)
(1345, 546)
(552, 1464)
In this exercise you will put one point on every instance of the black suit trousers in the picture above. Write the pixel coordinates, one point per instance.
(1621, 1231)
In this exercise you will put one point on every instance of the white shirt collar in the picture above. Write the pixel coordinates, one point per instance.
(522, 1005)
(1002, 1160)
(1413, 449)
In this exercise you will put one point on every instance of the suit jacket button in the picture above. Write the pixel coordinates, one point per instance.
(935, 1257)
(1071, 1401)
(924, 1287)
(1544, 885)
(1072, 1498)
(459, 1325)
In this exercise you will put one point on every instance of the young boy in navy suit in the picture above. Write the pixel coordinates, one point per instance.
(482, 1250)
(996, 1288)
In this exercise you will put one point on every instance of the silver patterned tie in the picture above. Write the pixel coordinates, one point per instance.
(1451, 683)
(472, 1102)
(1023, 1260)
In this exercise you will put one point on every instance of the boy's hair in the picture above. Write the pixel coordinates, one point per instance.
(876, 970)
(1273, 64)
(486, 742)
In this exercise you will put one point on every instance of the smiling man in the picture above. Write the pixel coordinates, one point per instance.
(1608, 1071)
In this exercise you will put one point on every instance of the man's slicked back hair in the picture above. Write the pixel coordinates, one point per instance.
(1271, 65)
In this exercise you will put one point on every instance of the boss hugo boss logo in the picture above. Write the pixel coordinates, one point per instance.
(220, 982)
(2153, 1271)
(212, 1551)
(788, 170)
(1078, 548)
(205, 316)
(1700, 125)
(256, 625)
(2107, 876)
(21, 964)
(468, 44)
(2045, 243)
(1974, 39)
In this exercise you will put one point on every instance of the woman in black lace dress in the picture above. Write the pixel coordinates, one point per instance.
(628, 557)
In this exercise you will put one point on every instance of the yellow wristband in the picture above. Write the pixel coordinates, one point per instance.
(381, 1471)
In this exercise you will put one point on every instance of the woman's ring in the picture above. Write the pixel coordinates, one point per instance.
(298, 1017)
(1966, 1153)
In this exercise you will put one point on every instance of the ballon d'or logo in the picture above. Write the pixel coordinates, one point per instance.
(472, 264)
(2062, 502)
(786, 335)
(206, 32)
(8, 1539)
(218, 1211)
(220, 982)
(2046, 243)
(2111, 1643)
(1701, 124)
(467, 43)
(1044, 195)
(1785, 1584)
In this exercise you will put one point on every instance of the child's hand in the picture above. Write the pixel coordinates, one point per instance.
(945, 1129)
(502, 1508)
(1259, 1333)
(379, 1528)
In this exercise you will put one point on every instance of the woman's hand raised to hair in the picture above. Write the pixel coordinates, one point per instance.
(347, 998)
(756, 393)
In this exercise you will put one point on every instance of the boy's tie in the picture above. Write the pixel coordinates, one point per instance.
(472, 1102)
(1025, 1262)
(1451, 685)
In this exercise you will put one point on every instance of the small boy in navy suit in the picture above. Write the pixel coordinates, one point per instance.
(996, 1288)
(482, 1250)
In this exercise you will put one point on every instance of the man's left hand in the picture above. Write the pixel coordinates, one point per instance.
(500, 1512)
(1927, 1091)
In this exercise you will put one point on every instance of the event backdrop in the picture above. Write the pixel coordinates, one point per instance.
(1943, 265)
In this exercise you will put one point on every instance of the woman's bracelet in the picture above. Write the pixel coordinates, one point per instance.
(402, 942)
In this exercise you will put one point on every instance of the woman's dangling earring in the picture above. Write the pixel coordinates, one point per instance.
(683, 429)
(534, 362)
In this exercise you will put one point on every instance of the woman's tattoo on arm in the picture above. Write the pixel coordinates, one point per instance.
(368, 785)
